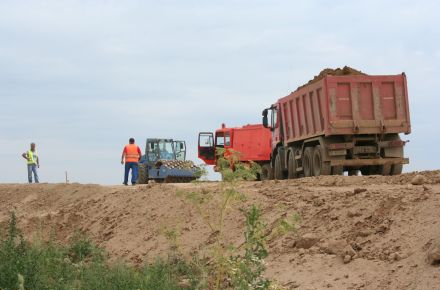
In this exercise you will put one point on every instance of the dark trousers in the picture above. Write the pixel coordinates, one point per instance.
(134, 172)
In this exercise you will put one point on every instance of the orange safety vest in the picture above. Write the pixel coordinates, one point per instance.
(131, 153)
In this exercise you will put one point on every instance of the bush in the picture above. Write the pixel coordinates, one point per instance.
(246, 271)
(79, 265)
(81, 248)
(229, 267)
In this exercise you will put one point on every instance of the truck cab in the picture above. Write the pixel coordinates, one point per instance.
(252, 142)
(208, 142)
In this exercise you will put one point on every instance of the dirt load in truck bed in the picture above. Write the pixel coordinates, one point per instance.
(373, 232)
(345, 71)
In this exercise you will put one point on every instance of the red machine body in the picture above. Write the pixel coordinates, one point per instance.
(253, 142)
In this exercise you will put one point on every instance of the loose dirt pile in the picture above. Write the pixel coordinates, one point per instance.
(346, 70)
(357, 232)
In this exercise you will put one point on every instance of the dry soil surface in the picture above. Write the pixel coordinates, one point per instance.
(356, 232)
(346, 70)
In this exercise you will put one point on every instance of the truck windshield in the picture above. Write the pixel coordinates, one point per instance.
(166, 150)
(220, 139)
(160, 150)
(227, 139)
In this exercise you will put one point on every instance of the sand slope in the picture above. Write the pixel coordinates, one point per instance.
(382, 226)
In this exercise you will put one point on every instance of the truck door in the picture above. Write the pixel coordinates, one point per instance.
(180, 148)
(272, 120)
(206, 147)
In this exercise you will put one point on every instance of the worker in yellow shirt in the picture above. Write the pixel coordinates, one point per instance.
(33, 162)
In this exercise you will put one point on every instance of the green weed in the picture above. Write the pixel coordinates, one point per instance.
(80, 265)
(229, 267)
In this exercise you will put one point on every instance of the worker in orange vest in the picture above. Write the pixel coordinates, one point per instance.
(132, 155)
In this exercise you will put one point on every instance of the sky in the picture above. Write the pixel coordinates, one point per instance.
(79, 78)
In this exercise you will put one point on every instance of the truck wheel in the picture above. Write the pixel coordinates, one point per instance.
(396, 169)
(266, 172)
(278, 172)
(142, 174)
(384, 169)
(291, 166)
(307, 162)
(270, 174)
(319, 166)
(258, 176)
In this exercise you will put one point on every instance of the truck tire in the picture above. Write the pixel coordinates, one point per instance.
(291, 166)
(270, 173)
(320, 167)
(142, 174)
(396, 169)
(384, 169)
(266, 172)
(307, 162)
(278, 170)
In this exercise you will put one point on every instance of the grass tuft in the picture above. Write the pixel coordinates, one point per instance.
(80, 265)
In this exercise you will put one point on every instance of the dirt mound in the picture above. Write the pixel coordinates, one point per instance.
(358, 232)
(346, 70)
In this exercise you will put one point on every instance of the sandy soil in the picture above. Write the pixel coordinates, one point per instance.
(346, 70)
(357, 232)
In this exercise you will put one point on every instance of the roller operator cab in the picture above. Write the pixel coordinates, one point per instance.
(165, 161)
(252, 142)
(338, 124)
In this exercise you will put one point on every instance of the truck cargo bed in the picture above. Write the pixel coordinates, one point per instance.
(345, 105)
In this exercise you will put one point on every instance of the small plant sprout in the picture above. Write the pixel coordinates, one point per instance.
(229, 267)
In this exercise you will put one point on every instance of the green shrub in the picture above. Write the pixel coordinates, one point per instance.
(80, 265)
(246, 271)
(81, 248)
(229, 267)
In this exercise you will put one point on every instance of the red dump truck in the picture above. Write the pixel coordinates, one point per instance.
(340, 123)
(253, 142)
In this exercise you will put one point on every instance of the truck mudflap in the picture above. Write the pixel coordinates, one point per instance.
(366, 162)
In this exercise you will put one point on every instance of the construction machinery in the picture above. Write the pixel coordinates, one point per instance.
(165, 161)
(251, 142)
(343, 120)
